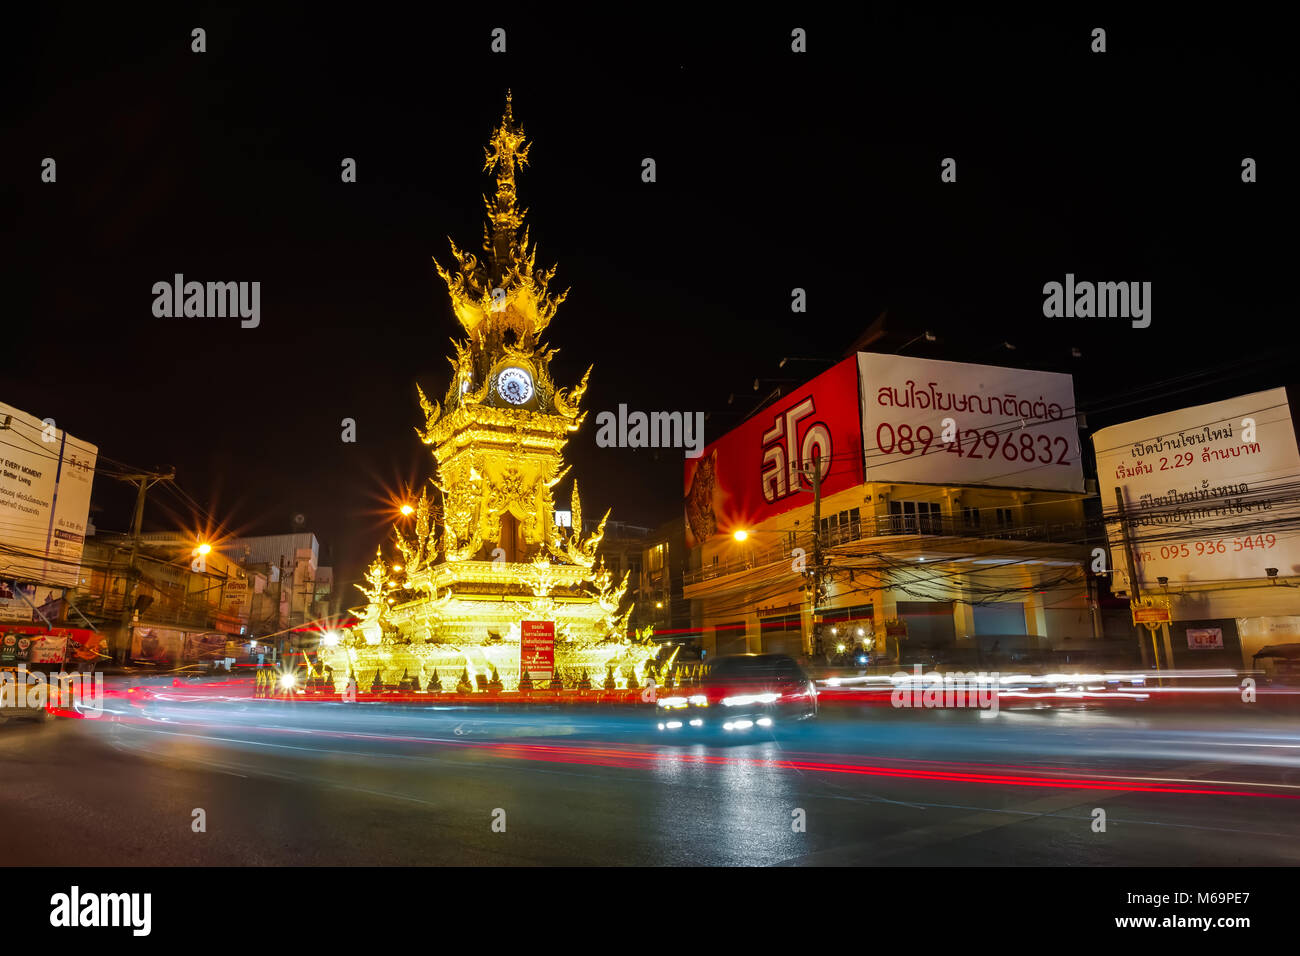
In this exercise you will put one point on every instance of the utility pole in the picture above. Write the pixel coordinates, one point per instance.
(143, 482)
(1130, 562)
(814, 472)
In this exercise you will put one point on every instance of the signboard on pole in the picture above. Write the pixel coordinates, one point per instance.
(45, 478)
(1151, 615)
(537, 650)
(1206, 491)
(235, 600)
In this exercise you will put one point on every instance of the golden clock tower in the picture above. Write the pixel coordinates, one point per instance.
(490, 554)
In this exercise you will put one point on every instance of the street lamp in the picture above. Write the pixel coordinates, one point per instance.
(741, 535)
(407, 510)
(204, 548)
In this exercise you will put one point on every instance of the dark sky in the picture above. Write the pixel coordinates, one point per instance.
(774, 171)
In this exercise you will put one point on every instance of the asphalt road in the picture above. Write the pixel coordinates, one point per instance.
(333, 784)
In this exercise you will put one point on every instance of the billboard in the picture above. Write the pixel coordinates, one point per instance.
(753, 472)
(45, 478)
(1205, 491)
(32, 647)
(537, 650)
(952, 423)
(235, 598)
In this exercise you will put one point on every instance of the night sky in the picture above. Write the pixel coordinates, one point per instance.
(775, 171)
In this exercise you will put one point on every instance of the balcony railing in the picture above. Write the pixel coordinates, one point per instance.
(881, 526)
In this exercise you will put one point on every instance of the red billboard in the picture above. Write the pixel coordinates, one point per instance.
(753, 472)
(537, 650)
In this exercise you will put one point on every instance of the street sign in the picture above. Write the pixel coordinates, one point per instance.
(1151, 615)
(537, 650)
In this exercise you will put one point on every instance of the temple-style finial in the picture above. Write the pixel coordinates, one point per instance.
(506, 152)
(509, 266)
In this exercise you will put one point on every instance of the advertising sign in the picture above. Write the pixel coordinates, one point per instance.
(1152, 615)
(755, 471)
(203, 647)
(1204, 638)
(952, 423)
(158, 644)
(235, 597)
(19, 648)
(537, 650)
(1204, 490)
(45, 478)
(17, 601)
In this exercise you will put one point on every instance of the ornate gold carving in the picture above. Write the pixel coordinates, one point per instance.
(492, 460)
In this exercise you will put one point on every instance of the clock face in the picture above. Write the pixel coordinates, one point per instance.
(515, 385)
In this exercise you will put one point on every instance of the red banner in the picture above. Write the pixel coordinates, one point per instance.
(537, 650)
(752, 473)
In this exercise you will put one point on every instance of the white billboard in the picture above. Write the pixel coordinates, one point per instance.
(951, 423)
(45, 479)
(1206, 491)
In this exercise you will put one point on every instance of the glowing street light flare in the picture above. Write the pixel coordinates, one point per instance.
(408, 510)
(204, 548)
(741, 535)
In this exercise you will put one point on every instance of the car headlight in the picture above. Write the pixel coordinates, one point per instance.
(672, 703)
(699, 700)
(744, 700)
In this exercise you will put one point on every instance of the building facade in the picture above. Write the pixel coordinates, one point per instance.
(818, 524)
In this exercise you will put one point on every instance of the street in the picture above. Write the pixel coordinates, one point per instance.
(319, 784)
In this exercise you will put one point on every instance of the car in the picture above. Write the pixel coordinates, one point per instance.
(13, 698)
(741, 693)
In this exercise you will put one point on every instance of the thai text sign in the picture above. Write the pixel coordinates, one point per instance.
(951, 423)
(537, 650)
(235, 597)
(1203, 488)
(763, 467)
(1151, 615)
(1204, 638)
(45, 479)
